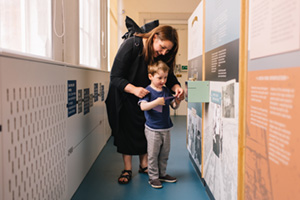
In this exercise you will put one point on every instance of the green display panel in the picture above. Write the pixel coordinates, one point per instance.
(198, 91)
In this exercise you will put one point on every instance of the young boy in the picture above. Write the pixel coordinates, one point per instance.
(158, 123)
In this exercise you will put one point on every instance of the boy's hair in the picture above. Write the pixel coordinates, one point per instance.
(159, 65)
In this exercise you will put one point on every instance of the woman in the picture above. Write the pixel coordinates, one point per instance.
(128, 80)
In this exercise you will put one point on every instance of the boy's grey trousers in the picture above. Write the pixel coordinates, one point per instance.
(158, 152)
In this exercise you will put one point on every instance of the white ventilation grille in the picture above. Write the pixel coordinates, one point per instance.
(34, 142)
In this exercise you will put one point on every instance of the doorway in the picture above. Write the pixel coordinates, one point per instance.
(179, 22)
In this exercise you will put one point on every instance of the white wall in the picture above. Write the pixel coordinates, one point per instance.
(140, 10)
(44, 153)
(181, 59)
(133, 8)
(113, 36)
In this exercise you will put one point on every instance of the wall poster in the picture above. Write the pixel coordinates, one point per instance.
(275, 24)
(222, 32)
(194, 115)
(221, 139)
(272, 164)
(194, 127)
(72, 87)
(272, 137)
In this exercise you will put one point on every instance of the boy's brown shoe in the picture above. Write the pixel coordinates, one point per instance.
(168, 179)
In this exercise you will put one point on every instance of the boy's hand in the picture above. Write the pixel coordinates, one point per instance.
(160, 101)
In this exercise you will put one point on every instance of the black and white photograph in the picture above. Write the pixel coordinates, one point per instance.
(195, 136)
(228, 108)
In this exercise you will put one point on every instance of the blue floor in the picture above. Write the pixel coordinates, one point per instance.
(101, 181)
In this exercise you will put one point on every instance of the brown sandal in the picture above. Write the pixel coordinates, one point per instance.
(126, 177)
(143, 170)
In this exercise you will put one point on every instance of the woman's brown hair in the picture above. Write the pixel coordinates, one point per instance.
(163, 33)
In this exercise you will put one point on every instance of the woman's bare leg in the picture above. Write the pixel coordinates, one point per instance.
(144, 161)
(127, 162)
(127, 159)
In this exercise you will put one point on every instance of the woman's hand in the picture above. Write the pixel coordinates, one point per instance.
(140, 92)
(179, 92)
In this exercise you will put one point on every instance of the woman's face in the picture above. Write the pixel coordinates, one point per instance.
(161, 47)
